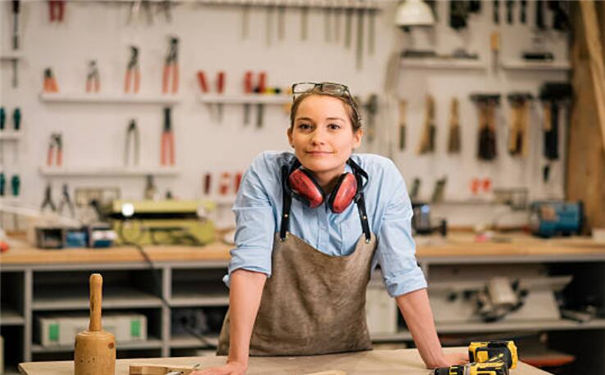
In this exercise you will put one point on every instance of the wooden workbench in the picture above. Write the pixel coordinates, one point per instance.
(462, 245)
(375, 362)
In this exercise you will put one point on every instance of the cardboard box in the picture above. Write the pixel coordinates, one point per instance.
(61, 330)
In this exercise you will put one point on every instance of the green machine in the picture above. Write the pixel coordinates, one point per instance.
(167, 222)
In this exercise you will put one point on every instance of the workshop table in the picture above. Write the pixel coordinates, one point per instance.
(374, 362)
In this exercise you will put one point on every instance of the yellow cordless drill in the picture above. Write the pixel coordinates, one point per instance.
(486, 358)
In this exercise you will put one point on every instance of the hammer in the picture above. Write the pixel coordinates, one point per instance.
(95, 349)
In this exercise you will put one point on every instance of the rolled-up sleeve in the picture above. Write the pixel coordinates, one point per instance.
(396, 248)
(255, 223)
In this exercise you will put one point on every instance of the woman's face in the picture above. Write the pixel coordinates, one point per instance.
(322, 136)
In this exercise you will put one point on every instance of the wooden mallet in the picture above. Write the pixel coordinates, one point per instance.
(95, 349)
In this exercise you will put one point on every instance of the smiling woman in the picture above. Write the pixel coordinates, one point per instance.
(300, 269)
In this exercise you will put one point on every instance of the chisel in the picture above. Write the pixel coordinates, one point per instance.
(304, 22)
(453, 145)
(360, 13)
(348, 26)
(402, 107)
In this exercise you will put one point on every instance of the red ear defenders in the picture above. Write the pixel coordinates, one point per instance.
(303, 186)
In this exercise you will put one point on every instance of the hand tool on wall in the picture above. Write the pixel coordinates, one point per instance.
(16, 8)
(15, 185)
(167, 148)
(93, 81)
(150, 192)
(415, 190)
(220, 89)
(95, 349)
(17, 119)
(494, 42)
(402, 127)
(560, 10)
(224, 183)
(438, 190)
(2, 184)
(304, 22)
(518, 137)
(201, 79)
(360, 16)
(56, 142)
(66, 201)
(207, 183)
(337, 22)
(50, 83)
(427, 141)
(237, 181)
(371, 30)
(171, 67)
(523, 11)
(131, 149)
(48, 200)
(371, 107)
(134, 14)
(487, 104)
(269, 17)
(348, 26)
(2, 118)
(247, 90)
(553, 95)
(56, 10)
(459, 11)
(509, 11)
(133, 72)
(281, 21)
(453, 142)
(245, 20)
(260, 107)
(496, 11)
(540, 25)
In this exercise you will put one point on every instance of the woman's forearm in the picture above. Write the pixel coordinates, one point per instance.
(244, 299)
(416, 311)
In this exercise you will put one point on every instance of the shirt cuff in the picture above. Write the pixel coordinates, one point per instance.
(404, 283)
(250, 259)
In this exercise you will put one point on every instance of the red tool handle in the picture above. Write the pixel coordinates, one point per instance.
(207, 183)
(220, 82)
(201, 78)
(262, 84)
(248, 82)
(238, 180)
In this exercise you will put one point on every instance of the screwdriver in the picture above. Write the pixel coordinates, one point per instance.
(260, 107)
(247, 91)
(17, 118)
(2, 118)
(16, 9)
(220, 86)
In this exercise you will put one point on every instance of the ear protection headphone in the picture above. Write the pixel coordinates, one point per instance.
(301, 184)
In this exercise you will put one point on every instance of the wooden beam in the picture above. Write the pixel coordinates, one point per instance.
(595, 52)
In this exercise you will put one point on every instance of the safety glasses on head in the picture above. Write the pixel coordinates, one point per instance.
(328, 88)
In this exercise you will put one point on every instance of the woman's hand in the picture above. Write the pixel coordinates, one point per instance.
(452, 359)
(231, 368)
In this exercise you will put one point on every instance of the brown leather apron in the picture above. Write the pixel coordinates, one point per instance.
(313, 303)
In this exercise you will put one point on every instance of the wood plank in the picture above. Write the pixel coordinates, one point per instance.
(376, 362)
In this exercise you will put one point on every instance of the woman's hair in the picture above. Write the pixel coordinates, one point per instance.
(349, 102)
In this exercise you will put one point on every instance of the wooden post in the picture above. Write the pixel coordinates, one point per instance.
(595, 52)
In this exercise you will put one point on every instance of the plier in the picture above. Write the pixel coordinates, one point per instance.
(56, 9)
(132, 70)
(93, 83)
(171, 67)
(167, 148)
(56, 141)
(132, 132)
(48, 200)
(66, 200)
(50, 83)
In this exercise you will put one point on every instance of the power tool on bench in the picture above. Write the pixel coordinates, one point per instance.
(486, 358)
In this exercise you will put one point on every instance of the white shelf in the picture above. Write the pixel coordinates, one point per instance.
(221, 200)
(106, 172)
(541, 325)
(535, 65)
(10, 135)
(10, 56)
(245, 99)
(10, 317)
(9, 200)
(190, 341)
(152, 343)
(199, 296)
(442, 63)
(113, 298)
(109, 98)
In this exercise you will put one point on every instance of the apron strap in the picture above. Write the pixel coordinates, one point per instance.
(363, 216)
(287, 203)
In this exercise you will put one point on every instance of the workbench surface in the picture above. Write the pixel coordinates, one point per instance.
(375, 362)
(456, 245)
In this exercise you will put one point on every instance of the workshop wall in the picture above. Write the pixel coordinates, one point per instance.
(211, 40)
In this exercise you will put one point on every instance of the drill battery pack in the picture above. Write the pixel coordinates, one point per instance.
(484, 351)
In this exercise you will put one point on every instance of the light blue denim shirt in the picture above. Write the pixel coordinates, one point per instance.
(258, 209)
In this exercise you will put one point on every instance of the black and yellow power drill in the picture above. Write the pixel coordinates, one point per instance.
(486, 358)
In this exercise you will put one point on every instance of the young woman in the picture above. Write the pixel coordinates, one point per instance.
(311, 227)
